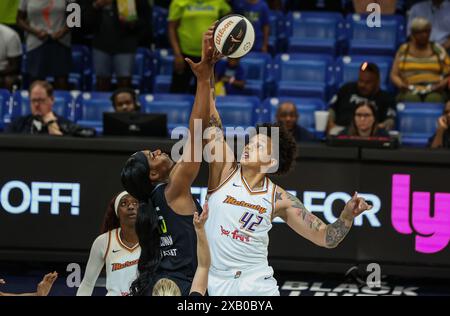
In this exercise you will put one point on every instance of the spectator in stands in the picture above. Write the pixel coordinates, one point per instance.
(125, 100)
(287, 114)
(8, 13)
(48, 40)
(10, 57)
(441, 139)
(364, 122)
(43, 289)
(117, 33)
(438, 13)
(257, 12)
(42, 120)
(366, 89)
(231, 75)
(188, 21)
(421, 68)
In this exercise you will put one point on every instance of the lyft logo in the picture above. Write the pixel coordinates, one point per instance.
(433, 232)
(33, 197)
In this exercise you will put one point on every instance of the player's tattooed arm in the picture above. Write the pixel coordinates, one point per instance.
(295, 214)
(215, 121)
(310, 220)
(336, 232)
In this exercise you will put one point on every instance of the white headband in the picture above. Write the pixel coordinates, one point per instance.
(117, 201)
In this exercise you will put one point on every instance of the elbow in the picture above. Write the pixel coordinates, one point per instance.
(330, 246)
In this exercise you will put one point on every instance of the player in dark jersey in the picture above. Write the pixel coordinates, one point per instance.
(164, 223)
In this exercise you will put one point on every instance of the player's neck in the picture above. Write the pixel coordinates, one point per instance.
(129, 236)
(254, 179)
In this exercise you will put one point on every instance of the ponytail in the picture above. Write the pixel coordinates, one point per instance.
(148, 232)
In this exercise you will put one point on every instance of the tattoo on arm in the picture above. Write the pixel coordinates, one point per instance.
(311, 221)
(335, 233)
(215, 121)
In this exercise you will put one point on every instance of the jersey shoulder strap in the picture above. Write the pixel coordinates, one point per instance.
(236, 168)
(107, 246)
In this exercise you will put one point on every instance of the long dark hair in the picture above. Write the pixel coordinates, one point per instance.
(353, 130)
(148, 232)
(110, 220)
(135, 177)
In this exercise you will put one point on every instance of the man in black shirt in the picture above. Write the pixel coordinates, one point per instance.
(42, 120)
(366, 89)
(441, 139)
(287, 114)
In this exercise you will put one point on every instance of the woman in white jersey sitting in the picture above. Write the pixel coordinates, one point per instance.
(117, 248)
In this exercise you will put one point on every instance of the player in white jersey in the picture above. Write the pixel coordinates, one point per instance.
(117, 249)
(243, 203)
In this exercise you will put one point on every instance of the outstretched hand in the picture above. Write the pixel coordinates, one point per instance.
(46, 284)
(204, 69)
(355, 207)
(200, 220)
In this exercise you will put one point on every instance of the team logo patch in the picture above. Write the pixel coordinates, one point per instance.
(120, 266)
(231, 200)
(234, 235)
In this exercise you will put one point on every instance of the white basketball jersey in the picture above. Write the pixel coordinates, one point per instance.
(121, 265)
(239, 222)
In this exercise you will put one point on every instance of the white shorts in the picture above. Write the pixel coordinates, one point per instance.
(256, 281)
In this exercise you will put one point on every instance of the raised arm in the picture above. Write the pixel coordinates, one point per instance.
(307, 225)
(216, 145)
(200, 282)
(187, 168)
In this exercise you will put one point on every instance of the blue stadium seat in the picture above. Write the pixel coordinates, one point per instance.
(315, 32)
(303, 75)
(382, 40)
(347, 68)
(237, 110)
(277, 35)
(417, 122)
(164, 61)
(142, 70)
(81, 72)
(160, 25)
(305, 107)
(4, 106)
(177, 107)
(93, 105)
(257, 68)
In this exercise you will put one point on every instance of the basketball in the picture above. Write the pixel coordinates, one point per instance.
(234, 36)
